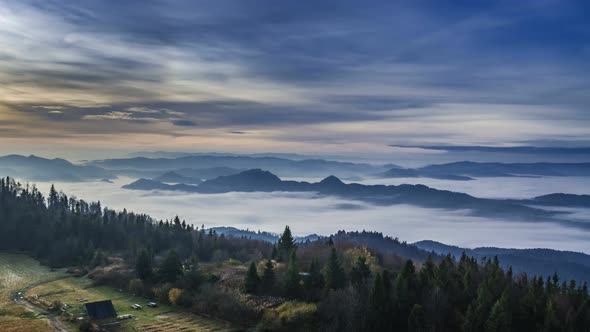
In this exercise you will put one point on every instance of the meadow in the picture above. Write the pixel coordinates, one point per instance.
(22, 273)
(17, 272)
(75, 291)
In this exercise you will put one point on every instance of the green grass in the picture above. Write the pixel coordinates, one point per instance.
(162, 318)
(17, 272)
(289, 314)
(20, 271)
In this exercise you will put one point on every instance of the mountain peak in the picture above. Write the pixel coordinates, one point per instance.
(332, 181)
(259, 173)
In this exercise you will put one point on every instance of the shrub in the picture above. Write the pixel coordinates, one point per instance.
(174, 295)
(290, 316)
(136, 287)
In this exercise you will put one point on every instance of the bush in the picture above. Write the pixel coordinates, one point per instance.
(290, 316)
(161, 293)
(224, 304)
(174, 295)
(136, 287)
(85, 326)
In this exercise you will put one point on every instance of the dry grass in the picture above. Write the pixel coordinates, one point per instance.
(16, 272)
(163, 318)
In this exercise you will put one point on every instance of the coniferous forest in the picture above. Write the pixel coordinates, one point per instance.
(331, 284)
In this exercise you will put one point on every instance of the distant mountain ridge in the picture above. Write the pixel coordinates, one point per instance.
(568, 264)
(257, 180)
(173, 177)
(464, 170)
(42, 169)
(561, 199)
(279, 166)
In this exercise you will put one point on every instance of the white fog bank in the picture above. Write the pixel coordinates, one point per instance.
(307, 213)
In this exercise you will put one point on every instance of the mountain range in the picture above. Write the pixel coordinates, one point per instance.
(280, 166)
(41, 169)
(257, 180)
(466, 170)
(568, 264)
(205, 167)
(174, 177)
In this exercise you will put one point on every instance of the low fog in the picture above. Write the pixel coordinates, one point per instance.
(501, 187)
(308, 213)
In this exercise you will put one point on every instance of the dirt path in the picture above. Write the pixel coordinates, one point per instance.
(55, 323)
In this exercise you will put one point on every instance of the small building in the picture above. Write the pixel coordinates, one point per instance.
(100, 310)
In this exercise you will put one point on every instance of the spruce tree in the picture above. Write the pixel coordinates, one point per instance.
(286, 244)
(53, 199)
(252, 279)
(500, 318)
(268, 276)
(380, 311)
(360, 272)
(171, 267)
(334, 274)
(143, 266)
(292, 286)
(417, 319)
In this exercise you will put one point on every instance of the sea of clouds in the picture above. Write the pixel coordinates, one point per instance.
(308, 213)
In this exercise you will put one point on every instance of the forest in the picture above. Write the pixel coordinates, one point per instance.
(336, 283)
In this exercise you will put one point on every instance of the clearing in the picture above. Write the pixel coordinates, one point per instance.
(75, 292)
(17, 272)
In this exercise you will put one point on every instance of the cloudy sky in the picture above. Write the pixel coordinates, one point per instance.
(294, 76)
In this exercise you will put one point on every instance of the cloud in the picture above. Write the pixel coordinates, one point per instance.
(468, 74)
(184, 123)
(137, 109)
(307, 213)
(110, 116)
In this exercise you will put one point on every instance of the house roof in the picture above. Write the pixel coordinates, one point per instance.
(100, 309)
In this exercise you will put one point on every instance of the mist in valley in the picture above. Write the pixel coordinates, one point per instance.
(308, 213)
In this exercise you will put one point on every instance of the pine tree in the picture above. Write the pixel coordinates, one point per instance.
(53, 199)
(500, 318)
(417, 319)
(292, 280)
(268, 276)
(552, 322)
(374, 321)
(171, 267)
(286, 244)
(360, 272)
(252, 279)
(314, 282)
(380, 311)
(143, 266)
(334, 274)
(98, 259)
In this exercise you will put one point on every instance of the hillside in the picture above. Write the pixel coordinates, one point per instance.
(41, 169)
(545, 262)
(279, 166)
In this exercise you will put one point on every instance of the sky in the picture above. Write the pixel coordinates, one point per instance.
(340, 77)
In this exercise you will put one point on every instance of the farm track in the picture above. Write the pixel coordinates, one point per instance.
(18, 273)
(54, 321)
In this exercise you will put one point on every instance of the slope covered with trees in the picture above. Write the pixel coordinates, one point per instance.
(332, 284)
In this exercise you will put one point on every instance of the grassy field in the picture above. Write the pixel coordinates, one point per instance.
(21, 272)
(17, 272)
(163, 318)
